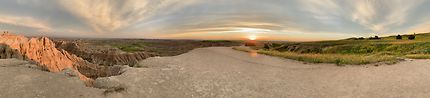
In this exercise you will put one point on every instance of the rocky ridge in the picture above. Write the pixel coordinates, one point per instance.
(43, 52)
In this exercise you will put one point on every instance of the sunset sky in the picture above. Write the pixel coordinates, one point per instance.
(292, 20)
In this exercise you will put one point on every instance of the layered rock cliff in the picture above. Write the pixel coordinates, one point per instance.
(103, 57)
(43, 52)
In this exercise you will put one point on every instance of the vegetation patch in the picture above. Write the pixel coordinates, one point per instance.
(355, 51)
(338, 59)
(418, 56)
(133, 47)
(217, 41)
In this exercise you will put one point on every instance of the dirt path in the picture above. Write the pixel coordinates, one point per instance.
(221, 72)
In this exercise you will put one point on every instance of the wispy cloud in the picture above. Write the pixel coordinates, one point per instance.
(28, 22)
(423, 27)
(288, 19)
(385, 14)
(375, 15)
(111, 15)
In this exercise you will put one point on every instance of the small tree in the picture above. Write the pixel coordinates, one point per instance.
(399, 37)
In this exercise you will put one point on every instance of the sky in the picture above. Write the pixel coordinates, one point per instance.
(290, 20)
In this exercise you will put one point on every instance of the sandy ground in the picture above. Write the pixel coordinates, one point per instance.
(220, 72)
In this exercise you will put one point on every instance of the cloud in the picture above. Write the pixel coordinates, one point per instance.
(288, 19)
(112, 15)
(28, 2)
(374, 15)
(25, 22)
(322, 8)
(301, 17)
(385, 14)
(421, 28)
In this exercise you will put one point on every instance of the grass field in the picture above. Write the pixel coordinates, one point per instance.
(350, 51)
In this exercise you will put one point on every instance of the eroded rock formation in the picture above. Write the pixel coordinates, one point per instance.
(43, 52)
(6, 52)
(103, 56)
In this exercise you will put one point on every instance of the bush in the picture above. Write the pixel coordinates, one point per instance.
(374, 38)
(398, 37)
(411, 37)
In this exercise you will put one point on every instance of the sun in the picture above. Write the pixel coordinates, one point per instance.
(252, 37)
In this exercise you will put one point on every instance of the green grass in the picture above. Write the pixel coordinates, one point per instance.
(418, 56)
(216, 41)
(369, 48)
(133, 47)
(166, 47)
(339, 59)
(354, 52)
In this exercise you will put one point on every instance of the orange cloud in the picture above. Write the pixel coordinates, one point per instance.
(25, 22)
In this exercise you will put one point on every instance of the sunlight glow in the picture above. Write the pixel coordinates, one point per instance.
(252, 30)
(252, 37)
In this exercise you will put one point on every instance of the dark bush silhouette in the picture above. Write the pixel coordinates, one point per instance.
(353, 38)
(374, 38)
(398, 37)
(361, 38)
(266, 46)
(411, 37)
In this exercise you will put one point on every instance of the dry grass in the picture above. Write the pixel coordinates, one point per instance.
(418, 56)
(339, 59)
(351, 51)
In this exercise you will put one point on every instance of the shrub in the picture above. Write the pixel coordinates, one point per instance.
(411, 37)
(398, 37)
(374, 38)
